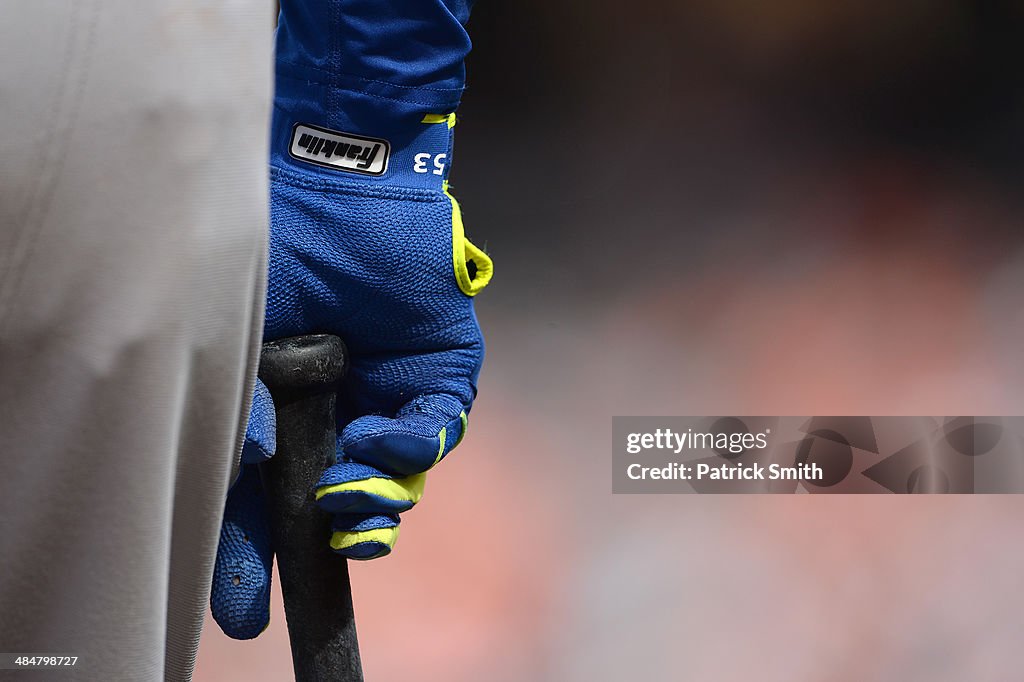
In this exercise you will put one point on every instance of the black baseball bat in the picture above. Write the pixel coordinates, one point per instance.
(303, 374)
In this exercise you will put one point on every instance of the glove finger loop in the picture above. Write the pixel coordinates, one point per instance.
(473, 267)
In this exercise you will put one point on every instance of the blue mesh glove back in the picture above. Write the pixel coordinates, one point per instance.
(368, 243)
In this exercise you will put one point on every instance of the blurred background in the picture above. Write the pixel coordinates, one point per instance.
(717, 207)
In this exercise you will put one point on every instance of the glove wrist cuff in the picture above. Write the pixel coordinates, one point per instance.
(351, 136)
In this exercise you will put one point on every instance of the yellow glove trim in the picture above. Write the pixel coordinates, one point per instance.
(444, 437)
(342, 539)
(465, 427)
(408, 489)
(440, 451)
(464, 250)
(440, 118)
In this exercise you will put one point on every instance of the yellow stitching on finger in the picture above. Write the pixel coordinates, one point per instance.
(465, 427)
(440, 451)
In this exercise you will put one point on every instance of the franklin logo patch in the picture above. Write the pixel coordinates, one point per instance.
(341, 151)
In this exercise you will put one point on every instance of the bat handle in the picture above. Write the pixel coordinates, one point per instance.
(303, 374)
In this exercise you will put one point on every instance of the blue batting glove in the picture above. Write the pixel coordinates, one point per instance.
(385, 265)
(366, 242)
(383, 262)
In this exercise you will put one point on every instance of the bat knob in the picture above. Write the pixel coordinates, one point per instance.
(314, 363)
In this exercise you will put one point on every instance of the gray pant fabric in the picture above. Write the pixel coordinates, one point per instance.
(133, 223)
